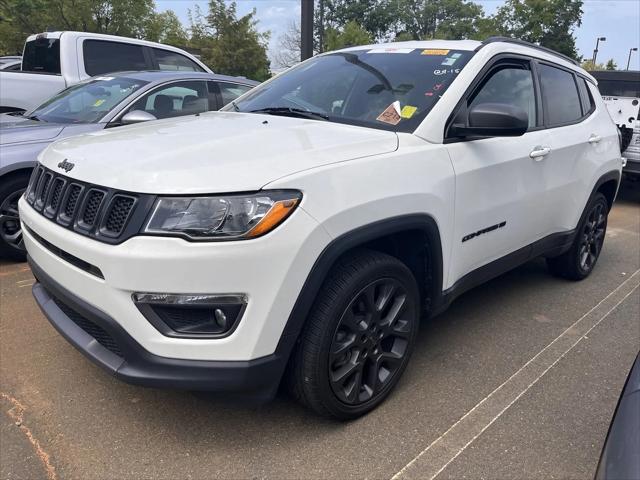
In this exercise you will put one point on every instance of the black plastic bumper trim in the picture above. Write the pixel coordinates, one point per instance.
(257, 379)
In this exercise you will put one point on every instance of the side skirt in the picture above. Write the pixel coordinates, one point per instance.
(549, 246)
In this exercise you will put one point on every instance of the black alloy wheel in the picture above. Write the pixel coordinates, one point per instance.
(592, 236)
(11, 241)
(371, 341)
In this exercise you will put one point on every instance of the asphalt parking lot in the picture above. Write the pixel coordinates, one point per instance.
(519, 379)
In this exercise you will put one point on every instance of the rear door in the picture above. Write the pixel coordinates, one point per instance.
(499, 180)
(575, 137)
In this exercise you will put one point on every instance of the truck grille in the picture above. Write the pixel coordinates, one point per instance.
(105, 214)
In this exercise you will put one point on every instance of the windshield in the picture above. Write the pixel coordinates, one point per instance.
(86, 102)
(391, 89)
(42, 55)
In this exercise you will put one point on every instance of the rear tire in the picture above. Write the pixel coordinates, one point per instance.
(578, 262)
(11, 240)
(358, 338)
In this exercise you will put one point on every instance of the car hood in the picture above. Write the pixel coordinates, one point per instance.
(21, 130)
(212, 152)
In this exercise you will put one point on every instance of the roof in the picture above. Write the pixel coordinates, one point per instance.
(469, 45)
(620, 75)
(165, 75)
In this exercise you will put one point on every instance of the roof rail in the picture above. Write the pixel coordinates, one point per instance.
(527, 44)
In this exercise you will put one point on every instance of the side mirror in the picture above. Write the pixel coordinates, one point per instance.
(493, 120)
(137, 116)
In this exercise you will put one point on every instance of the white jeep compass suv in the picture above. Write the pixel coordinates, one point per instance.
(302, 233)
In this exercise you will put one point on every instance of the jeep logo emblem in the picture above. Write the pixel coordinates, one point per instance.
(66, 166)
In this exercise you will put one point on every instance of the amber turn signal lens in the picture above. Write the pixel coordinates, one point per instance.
(276, 215)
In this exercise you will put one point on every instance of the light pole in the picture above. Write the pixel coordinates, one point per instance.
(595, 52)
(634, 49)
(306, 29)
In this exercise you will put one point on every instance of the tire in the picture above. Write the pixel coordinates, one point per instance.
(578, 262)
(11, 243)
(363, 324)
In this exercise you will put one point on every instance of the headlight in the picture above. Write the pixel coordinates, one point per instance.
(222, 217)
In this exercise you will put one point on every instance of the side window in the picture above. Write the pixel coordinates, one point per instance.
(588, 104)
(560, 96)
(175, 99)
(105, 57)
(231, 91)
(174, 61)
(512, 85)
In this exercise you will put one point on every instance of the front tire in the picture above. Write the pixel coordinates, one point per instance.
(11, 240)
(579, 261)
(359, 337)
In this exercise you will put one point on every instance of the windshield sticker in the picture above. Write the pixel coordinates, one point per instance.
(106, 79)
(447, 62)
(391, 114)
(408, 111)
(99, 102)
(435, 51)
(391, 50)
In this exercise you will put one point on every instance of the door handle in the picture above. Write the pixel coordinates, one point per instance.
(593, 139)
(539, 152)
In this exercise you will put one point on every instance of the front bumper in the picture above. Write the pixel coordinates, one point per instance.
(108, 345)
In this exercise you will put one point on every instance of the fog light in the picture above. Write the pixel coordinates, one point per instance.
(192, 316)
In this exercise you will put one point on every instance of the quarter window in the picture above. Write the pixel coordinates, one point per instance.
(231, 91)
(511, 85)
(174, 61)
(560, 96)
(105, 57)
(588, 105)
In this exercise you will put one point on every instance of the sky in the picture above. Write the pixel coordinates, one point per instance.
(617, 20)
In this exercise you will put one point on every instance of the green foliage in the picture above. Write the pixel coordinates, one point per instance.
(549, 23)
(442, 19)
(351, 35)
(229, 44)
(611, 65)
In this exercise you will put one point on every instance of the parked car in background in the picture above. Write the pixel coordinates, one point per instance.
(10, 63)
(95, 104)
(621, 452)
(620, 91)
(56, 60)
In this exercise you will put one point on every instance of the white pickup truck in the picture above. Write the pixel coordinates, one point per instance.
(55, 60)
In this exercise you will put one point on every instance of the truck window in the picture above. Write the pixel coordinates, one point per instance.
(231, 91)
(42, 55)
(104, 57)
(174, 61)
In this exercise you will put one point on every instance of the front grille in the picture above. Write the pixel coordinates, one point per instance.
(118, 214)
(104, 214)
(91, 208)
(96, 331)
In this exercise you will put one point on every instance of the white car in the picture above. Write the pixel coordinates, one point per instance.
(310, 225)
(53, 61)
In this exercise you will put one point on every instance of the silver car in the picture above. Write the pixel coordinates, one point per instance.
(101, 102)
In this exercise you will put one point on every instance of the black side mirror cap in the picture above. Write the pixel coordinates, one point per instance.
(493, 120)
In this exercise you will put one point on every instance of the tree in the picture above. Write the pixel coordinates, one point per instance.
(165, 27)
(289, 47)
(611, 65)
(351, 35)
(445, 19)
(230, 45)
(549, 23)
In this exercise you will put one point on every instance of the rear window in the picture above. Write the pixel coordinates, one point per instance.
(560, 96)
(42, 55)
(174, 61)
(106, 57)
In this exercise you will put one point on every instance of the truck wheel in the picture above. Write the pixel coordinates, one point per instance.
(11, 243)
(578, 262)
(358, 338)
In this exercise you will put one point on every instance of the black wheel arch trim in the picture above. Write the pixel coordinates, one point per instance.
(348, 241)
(607, 177)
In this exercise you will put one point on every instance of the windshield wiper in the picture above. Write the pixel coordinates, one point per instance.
(294, 112)
(34, 117)
(235, 106)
